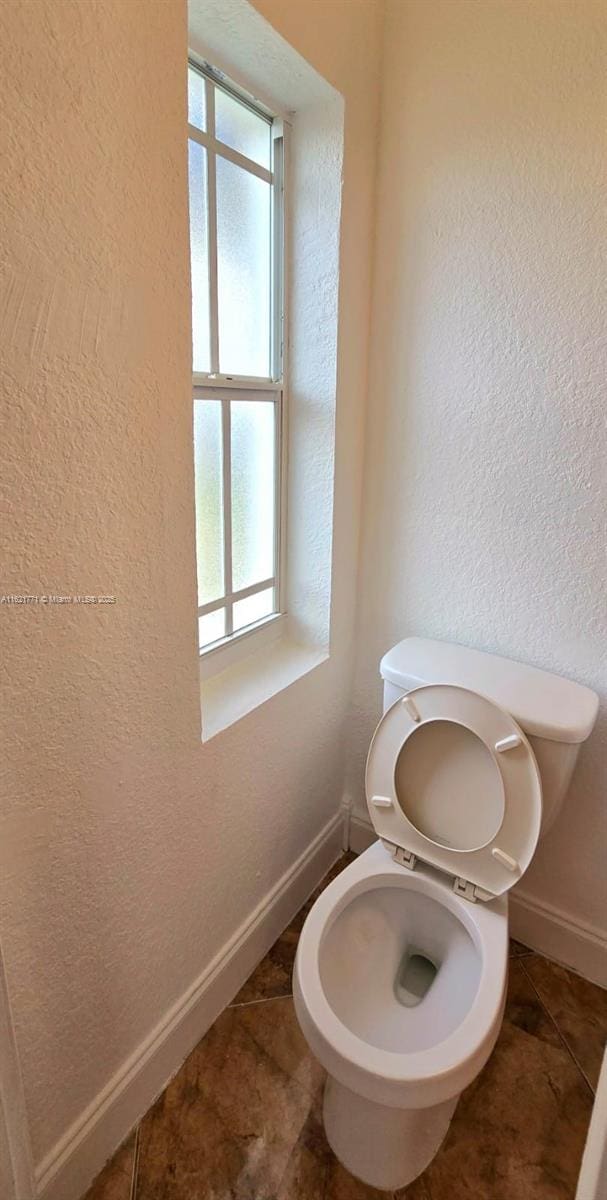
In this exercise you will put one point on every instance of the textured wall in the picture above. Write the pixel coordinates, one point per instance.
(129, 852)
(342, 39)
(485, 488)
(121, 836)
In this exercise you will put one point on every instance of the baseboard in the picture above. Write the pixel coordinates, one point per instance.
(541, 926)
(81, 1153)
(557, 935)
(362, 834)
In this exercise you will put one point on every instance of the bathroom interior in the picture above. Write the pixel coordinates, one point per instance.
(303, 833)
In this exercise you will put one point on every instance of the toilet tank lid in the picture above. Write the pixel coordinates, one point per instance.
(543, 704)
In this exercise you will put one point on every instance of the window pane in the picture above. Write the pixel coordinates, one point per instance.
(243, 271)
(253, 608)
(196, 99)
(208, 479)
(242, 129)
(253, 489)
(199, 256)
(211, 628)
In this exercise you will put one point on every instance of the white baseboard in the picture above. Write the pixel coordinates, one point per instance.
(554, 933)
(362, 834)
(80, 1154)
(542, 927)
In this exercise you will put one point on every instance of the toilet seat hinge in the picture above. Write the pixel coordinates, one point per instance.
(470, 891)
(464, 888)
(406, 858)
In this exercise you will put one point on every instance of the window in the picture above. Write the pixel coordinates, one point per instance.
(236, 171)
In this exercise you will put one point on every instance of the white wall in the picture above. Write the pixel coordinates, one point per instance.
(130, 852)
(485, 488)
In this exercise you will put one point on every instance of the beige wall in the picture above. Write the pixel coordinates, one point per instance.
(129, 852)
(485, 485)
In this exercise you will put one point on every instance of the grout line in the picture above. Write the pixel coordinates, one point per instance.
(560, 1033)
(261, 1000)
(133, 1191)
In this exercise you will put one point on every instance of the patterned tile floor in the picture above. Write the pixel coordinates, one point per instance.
(242, 1118)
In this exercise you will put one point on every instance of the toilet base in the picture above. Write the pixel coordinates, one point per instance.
(384, 1147)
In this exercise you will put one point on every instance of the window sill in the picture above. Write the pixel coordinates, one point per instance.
(240, 688)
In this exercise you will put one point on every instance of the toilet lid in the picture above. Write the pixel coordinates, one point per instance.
(452, 779)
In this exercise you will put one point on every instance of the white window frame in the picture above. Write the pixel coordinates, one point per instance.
(226, 388)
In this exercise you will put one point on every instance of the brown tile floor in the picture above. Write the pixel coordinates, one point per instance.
(242, 1118)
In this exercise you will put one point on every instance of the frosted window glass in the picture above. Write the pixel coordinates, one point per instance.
(199, 256)
(253, 488)
(242, 129)
(208, 479)
(196, 100)
(243, 271)
(253, 608)
(211, 628)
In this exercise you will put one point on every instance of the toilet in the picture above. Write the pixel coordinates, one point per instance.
(401, 968)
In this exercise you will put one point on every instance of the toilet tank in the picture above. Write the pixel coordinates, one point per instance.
(556, 714)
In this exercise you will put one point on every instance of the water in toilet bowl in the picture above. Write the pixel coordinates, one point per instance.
(415, 976)
(399, 970)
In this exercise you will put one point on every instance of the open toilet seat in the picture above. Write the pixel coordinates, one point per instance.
(451, 779)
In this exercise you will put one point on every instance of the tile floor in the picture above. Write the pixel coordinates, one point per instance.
(242, 1118)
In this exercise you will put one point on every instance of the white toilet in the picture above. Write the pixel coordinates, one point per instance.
(401, 968)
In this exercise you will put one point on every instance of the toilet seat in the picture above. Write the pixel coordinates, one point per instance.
(451, 779)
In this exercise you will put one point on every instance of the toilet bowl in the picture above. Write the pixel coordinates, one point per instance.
(401, 968)
(396, 1068)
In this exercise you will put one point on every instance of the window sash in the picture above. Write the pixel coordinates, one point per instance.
(214, 385)
(229, 597)
(275, 177)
